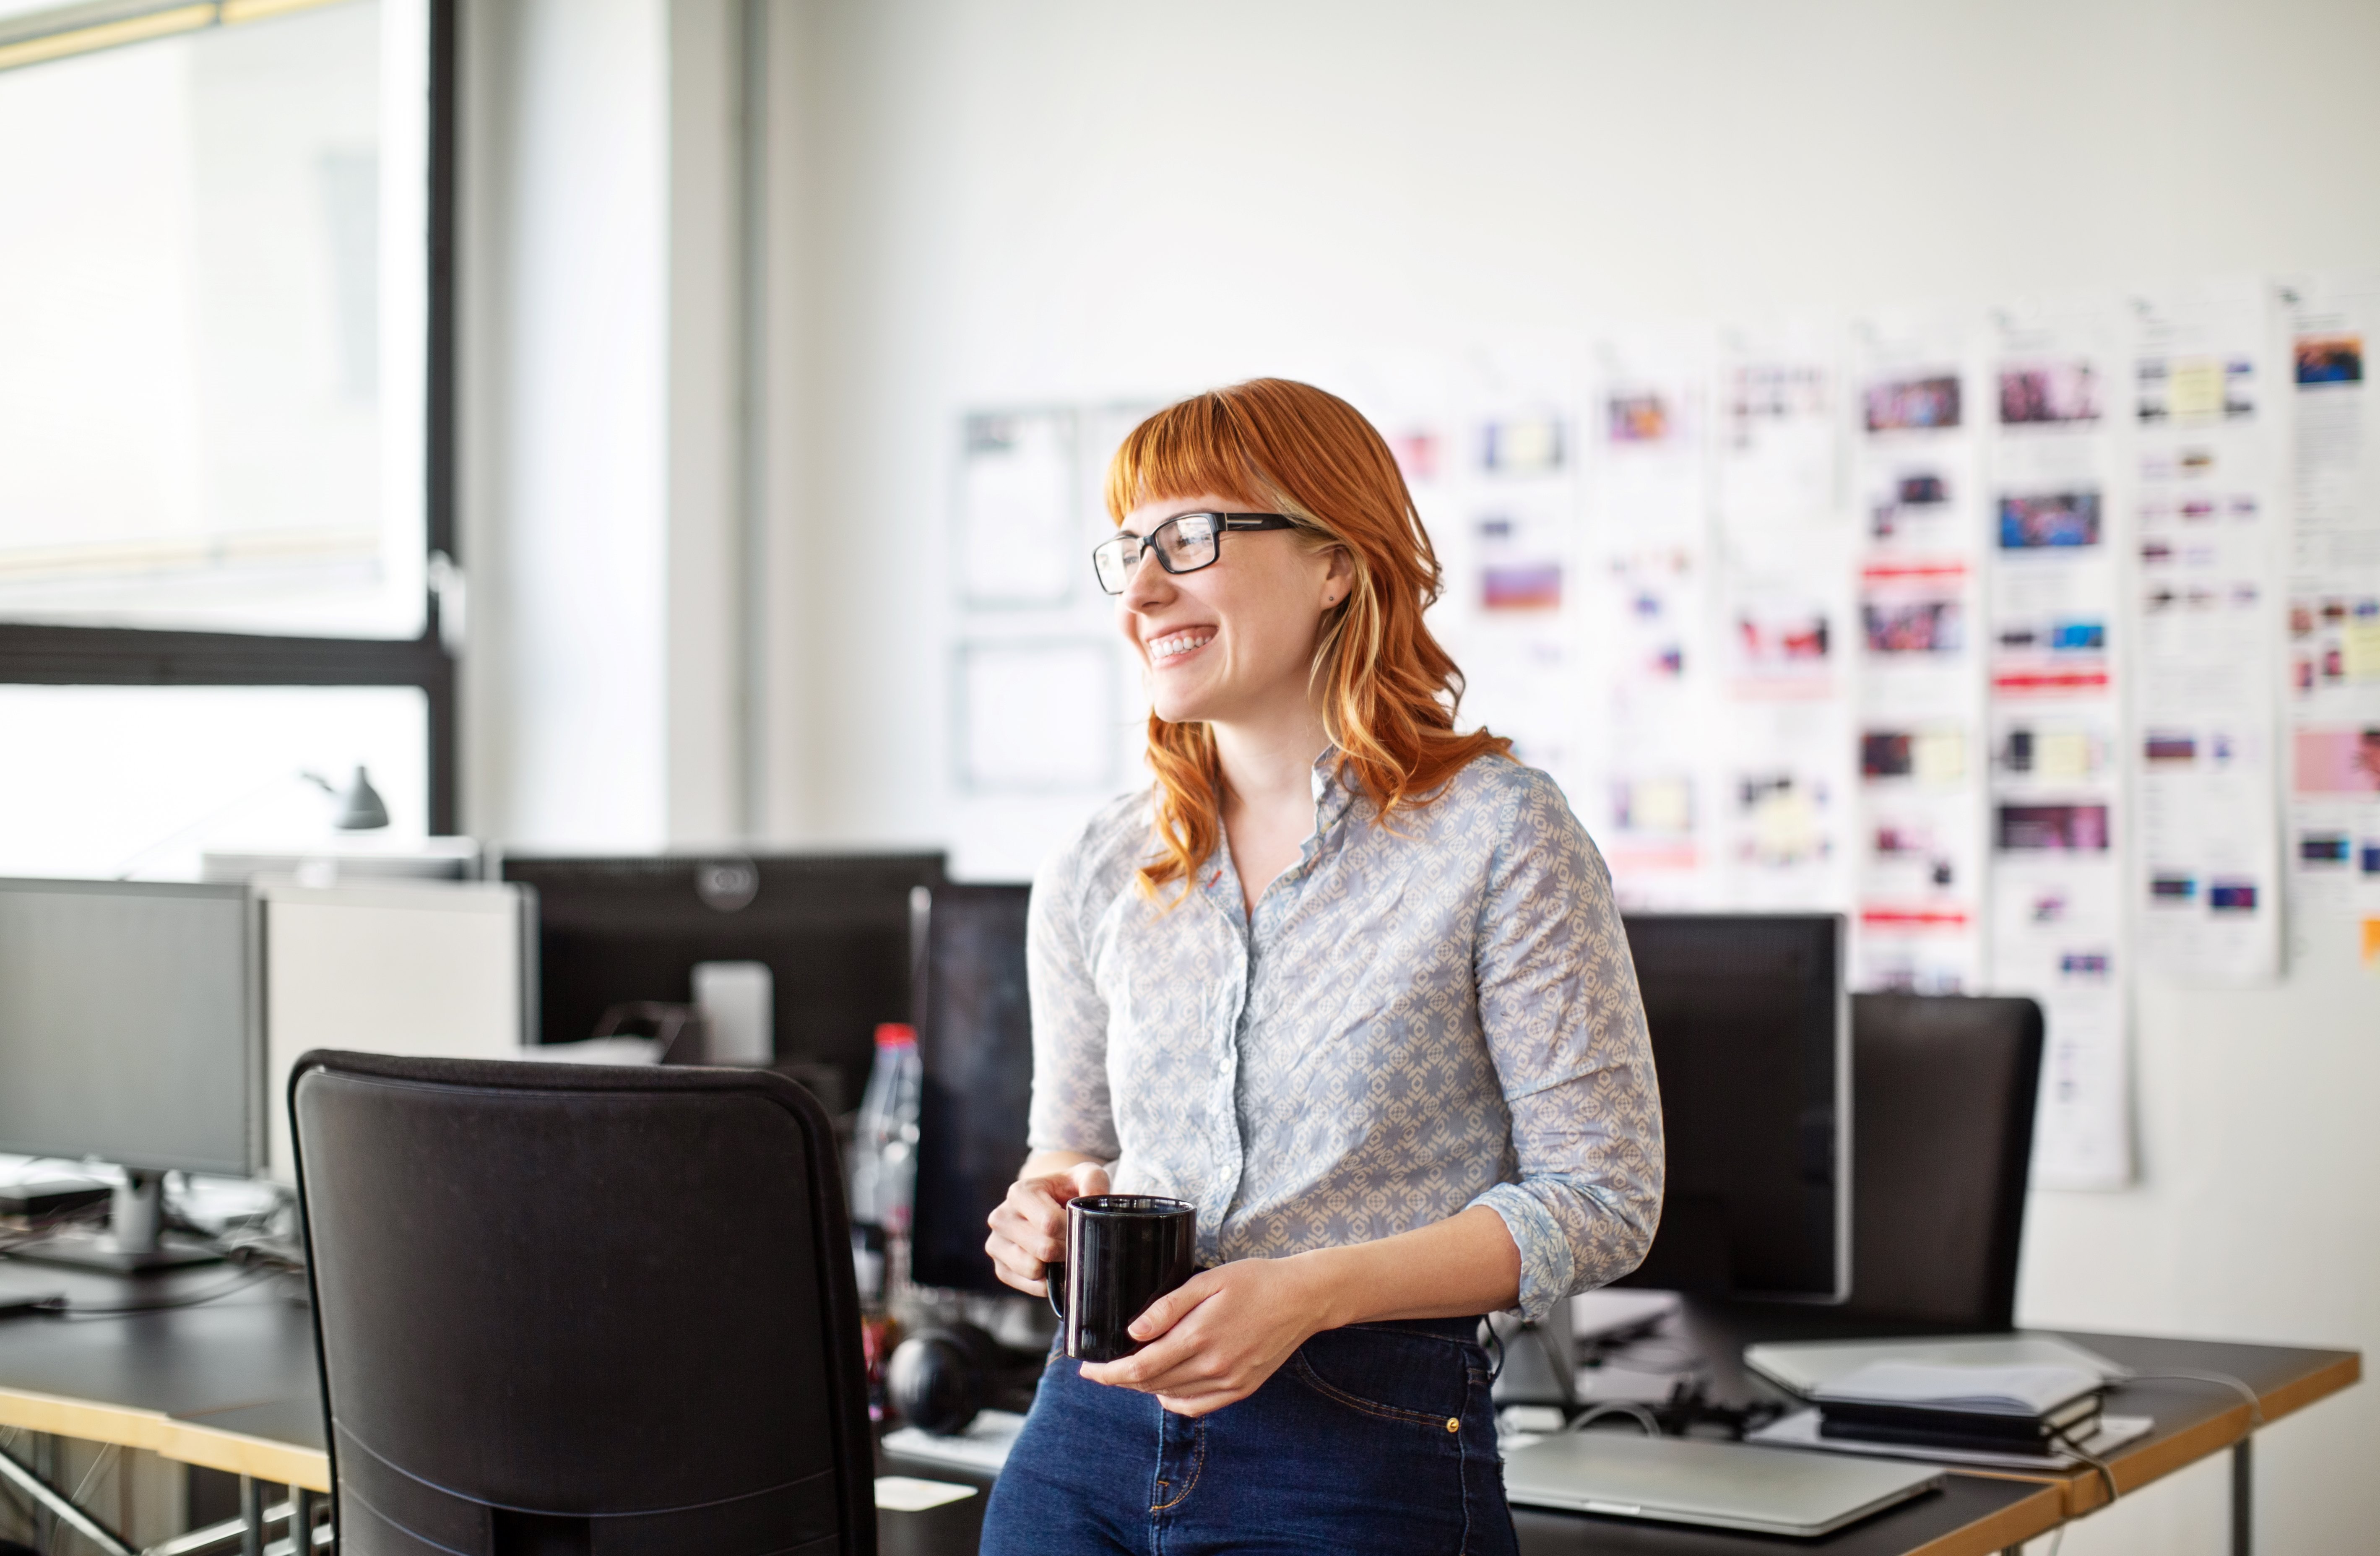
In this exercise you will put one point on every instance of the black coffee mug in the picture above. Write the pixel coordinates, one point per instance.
(1123, 1251)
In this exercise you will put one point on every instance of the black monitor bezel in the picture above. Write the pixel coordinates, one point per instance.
(985, 1283)
(1837, 928)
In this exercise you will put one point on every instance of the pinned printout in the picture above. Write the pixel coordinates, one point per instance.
(1919, 865)
(2206, 897)
(2059, 520)
(1657, 779)
(1099, 432)
(1783, 548)
(2333, 677)
(1018, 543)
(1037, 717)
(1499, 474)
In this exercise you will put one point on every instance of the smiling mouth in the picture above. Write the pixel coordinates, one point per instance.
(1164, 649)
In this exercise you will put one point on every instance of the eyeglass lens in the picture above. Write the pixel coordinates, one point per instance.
(1183, 544)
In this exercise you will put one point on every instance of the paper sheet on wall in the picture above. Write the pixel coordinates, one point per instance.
(1657, 781)
(1037, 716)
(1918, 504)
(2203, 749)
(1017, 535)
(1784, 543)
(2333, 753)
(2059, 520)
(1505, 465)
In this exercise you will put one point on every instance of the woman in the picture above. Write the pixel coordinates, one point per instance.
(1347, 981)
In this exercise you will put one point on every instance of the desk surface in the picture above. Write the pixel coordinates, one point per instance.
(230, 1384)
(2195, 1417)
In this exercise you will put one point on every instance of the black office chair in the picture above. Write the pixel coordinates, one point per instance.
(1942, 1105)
(568, 1309)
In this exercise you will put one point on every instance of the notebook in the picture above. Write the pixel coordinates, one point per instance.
(1804, 1366)
(2025, 1407)
(1722, 1485)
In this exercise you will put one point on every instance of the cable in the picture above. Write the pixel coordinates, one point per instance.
(67, 1309)
(1628, 1408)
(2255, 1406)
(1495, 1338)
(2064, 1438)
(106, 1456)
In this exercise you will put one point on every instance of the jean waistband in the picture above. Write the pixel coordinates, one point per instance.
(1441, 1329)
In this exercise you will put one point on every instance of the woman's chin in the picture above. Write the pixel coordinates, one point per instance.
(1175, 708)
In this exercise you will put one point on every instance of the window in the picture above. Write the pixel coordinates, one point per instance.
(225, 368)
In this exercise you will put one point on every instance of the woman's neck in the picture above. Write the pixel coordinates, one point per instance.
(1268, 768)
(1267, 760)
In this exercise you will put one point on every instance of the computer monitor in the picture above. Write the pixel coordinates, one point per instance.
(975, 1042)
(1751, 1034)
(833, 929)
(128, 1033)
(427, 969)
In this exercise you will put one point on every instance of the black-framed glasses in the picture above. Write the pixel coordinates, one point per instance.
(1184, 543)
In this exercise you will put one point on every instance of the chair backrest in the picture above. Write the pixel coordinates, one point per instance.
(564, 1308)
(1942, 1103)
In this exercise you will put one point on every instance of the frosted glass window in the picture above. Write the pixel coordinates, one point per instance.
(136, 782)
(213, 305)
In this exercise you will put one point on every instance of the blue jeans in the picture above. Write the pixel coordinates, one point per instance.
(1376, 1438)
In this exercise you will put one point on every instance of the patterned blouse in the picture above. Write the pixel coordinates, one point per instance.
(1422, 1017)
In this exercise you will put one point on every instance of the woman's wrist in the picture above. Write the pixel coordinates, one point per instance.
(1333, 1285)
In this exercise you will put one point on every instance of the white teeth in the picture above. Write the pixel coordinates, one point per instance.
(1179, 644)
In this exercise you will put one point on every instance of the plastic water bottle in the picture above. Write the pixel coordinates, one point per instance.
(885, 1146)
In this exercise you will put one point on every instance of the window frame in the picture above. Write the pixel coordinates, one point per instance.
(41, 654)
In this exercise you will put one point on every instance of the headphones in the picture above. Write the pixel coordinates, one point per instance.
(939, 1377)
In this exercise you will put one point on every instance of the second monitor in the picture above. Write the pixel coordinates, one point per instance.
(833, 930)
(1751, 1031)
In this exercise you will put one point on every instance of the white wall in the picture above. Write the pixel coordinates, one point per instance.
(1072, 199)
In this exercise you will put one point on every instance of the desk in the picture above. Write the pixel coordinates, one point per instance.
(230, 1385)
(1980, 1512)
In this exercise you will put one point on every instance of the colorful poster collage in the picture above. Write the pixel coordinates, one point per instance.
(2002, 633)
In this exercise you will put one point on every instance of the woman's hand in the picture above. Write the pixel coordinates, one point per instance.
(1216, 1339)
(1028, 1228)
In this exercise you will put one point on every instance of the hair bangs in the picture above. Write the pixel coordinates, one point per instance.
(1186, 450)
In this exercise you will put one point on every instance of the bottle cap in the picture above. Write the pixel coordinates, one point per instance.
(896, 1034)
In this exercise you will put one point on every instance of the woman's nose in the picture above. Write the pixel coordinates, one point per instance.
(1148, 584)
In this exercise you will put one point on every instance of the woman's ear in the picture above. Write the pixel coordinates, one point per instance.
(1339, 577)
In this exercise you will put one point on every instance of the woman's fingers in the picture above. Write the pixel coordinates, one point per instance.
(1175, 1305)
(1014, 1266)
(1031, 1217)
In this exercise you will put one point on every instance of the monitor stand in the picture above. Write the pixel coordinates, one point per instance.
(131, 1246)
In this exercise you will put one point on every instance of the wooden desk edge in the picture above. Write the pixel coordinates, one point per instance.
(123, 1424)
(283, 1463)
(190, 1442)
(2342, 1373)
(2084, 1491)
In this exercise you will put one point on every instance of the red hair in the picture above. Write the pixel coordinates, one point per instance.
(1390, 690)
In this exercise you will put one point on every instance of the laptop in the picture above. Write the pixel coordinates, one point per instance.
(1723, 1485)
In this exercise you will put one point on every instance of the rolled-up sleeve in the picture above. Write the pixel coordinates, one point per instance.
(1565, 1027)
(1071, 1109)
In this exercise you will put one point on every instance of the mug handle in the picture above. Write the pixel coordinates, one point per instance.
(1053, 1278)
